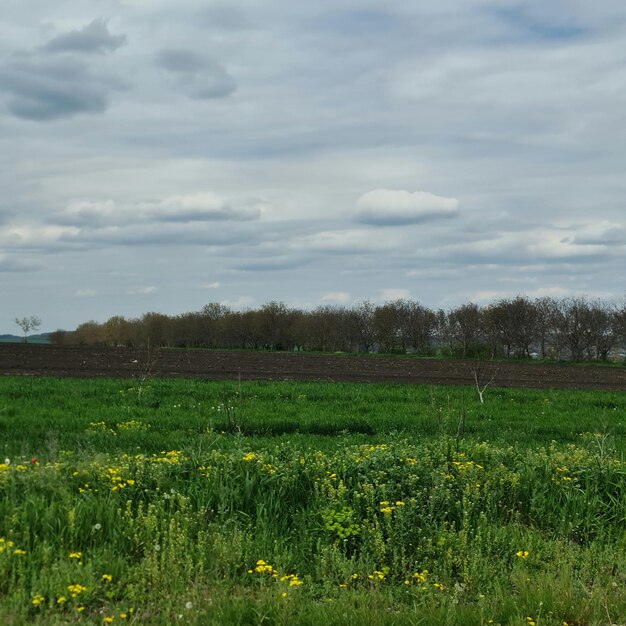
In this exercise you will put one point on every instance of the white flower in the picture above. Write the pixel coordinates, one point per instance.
(97, 526)
(7, 461)
(188, 605)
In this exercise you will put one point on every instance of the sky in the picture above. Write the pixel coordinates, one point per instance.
(159, 155)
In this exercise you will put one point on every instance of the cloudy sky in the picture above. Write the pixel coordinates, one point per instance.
(159, 155)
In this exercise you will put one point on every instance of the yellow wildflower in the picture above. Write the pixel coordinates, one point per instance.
(75, 555)
(522, 554)
(38, 599)
(76, 589)
(107, 578)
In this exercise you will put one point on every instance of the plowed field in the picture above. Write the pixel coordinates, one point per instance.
(43, 360)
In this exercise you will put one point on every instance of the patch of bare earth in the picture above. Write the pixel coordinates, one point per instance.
(43, 360)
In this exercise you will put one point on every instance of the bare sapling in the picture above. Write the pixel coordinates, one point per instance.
(145, 368)
(483, 375)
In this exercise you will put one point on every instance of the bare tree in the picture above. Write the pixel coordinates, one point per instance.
(484, 375)
(28, 324)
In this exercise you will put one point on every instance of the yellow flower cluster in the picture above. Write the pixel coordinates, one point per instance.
(464, 466)
(6, 545)
(205, 471)
(292, 579)
(5, 468)
(386, 508)
(113, 474)
(133, 425)
(562, 475)
(420, 577)
(262, 567)
(172, 457)
(100, 427)
(76, 589)
(366, 451)
(252, 457)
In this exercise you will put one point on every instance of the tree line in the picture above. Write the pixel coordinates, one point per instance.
(570, 328)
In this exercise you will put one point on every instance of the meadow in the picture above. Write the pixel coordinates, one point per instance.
(200, 502)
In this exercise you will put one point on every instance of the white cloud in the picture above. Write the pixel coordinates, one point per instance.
(239, 303)
(29, 236)
(141, 291)
(397, 207)
(337, 297)
(214, 285)
(86, 293)
(524, 246)
(601, 232)
(353, 241)
(484, 297)
(557, 245)
(387, 295)
(196, 207)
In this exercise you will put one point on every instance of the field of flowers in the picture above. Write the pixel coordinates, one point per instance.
(421, 507)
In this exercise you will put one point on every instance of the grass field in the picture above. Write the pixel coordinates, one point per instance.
(194, 502)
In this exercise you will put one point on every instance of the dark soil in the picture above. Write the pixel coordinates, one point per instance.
(45, 360)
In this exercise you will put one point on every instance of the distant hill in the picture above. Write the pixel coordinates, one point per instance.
(42, 338)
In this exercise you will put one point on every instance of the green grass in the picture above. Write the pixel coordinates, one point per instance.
(367, 495)
(42, 415)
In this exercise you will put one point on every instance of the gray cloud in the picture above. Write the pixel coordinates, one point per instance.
(601, 232)
(13, 264)
(198, 77)
(387, 207)
(161, 234)
(517, 113)
(5, 214)
(274, 264)
(224, 16)
(94, 38)
(46, 89)
(179, 209)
